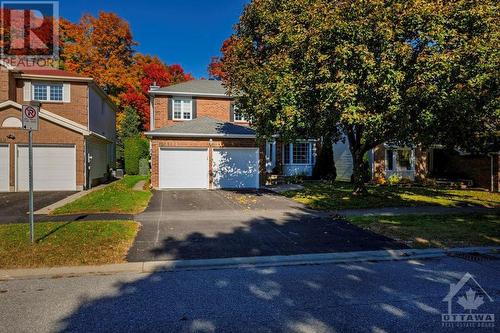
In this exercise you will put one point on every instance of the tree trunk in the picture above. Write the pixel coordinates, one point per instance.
(358, 173)
(357, 151)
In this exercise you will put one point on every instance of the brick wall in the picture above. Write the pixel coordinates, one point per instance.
(48, 133)
(379, 162)
(205, 107)
(76, 109)
(496, 173)
(476, 168)
(421, 164)
(157, 143)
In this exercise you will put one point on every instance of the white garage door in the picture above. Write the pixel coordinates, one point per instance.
(236, 168)
(54, 168)
(4, 168)
(183, 168)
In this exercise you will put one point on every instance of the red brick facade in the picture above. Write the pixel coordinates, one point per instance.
(48, 133)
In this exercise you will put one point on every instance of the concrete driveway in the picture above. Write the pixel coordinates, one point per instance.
(14, 205)
(201, 224)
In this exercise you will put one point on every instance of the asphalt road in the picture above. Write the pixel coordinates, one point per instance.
(403, 296)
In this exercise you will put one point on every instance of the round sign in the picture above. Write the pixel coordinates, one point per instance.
(30, 112)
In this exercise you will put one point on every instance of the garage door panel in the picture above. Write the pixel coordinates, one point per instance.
(183, 168)
(236, 168)
(54, 168)
(4, 168)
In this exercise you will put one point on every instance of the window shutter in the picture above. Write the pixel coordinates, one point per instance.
(66, 92)
(169, 108)
(231, 112)
(193, 104)
(27, 90)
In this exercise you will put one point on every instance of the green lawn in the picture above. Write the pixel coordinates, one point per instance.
(118, 197)
(66, 243)
(337, 195)
(422, 231)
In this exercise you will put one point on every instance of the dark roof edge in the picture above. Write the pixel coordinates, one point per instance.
(200, 135)
(177, 93)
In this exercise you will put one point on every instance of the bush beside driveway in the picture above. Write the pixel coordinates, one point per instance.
(119, 197)
(338, 196)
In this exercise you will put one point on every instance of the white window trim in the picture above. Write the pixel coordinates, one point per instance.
(309, 157)
(183, 100)
(243, 118)
(394, 160)
(48, 84)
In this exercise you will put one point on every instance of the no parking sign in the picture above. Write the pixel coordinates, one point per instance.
(30, 117)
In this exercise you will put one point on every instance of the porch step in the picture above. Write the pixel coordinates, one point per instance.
(275, 180)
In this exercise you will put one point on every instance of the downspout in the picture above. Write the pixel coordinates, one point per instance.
(151, 112)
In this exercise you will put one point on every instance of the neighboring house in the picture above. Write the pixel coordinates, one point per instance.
(74, 147)
(199, 140)
(417, 163)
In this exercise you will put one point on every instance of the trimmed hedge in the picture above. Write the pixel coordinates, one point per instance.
(135, 148)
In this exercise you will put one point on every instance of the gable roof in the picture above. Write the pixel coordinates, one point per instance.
(194, 88)
(52, 117)
(204, 127)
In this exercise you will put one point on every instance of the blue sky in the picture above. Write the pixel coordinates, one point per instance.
(185, 32)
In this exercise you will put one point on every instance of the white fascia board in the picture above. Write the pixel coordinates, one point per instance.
(198, 135)
(100, 137)
(52, 117)
(54, 78)
(177, 93)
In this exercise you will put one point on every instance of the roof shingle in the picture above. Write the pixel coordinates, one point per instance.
(205, 127)
(195, 87)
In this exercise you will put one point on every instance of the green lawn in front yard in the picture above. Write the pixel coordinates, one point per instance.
(118, 197)
(66, 243)
(338, 195)
(423, 231)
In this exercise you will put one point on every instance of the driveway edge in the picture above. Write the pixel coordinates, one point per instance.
(240, 262)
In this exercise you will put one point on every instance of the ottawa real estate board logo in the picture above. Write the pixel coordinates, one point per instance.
(29, 34)
(465, 300)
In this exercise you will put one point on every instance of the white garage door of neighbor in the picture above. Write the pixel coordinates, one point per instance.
(4, 168)
(236, 168)
(183, 168)
(54, 168)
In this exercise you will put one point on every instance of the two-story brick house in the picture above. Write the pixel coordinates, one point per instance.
(198, 139)
(74, 147)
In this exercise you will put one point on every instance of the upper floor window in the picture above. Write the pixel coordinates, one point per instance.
(182, 109)
(50, 92)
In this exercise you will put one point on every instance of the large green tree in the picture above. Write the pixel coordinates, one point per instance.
(408, 71)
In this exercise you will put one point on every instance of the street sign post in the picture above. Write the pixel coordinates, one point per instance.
(30, 123)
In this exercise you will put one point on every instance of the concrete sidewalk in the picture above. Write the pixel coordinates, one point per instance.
(422, 210)
(243, 262)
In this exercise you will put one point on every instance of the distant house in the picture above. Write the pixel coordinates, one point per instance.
(74, 147)
(483, 170)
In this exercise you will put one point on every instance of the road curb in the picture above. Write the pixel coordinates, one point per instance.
(240, 262)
